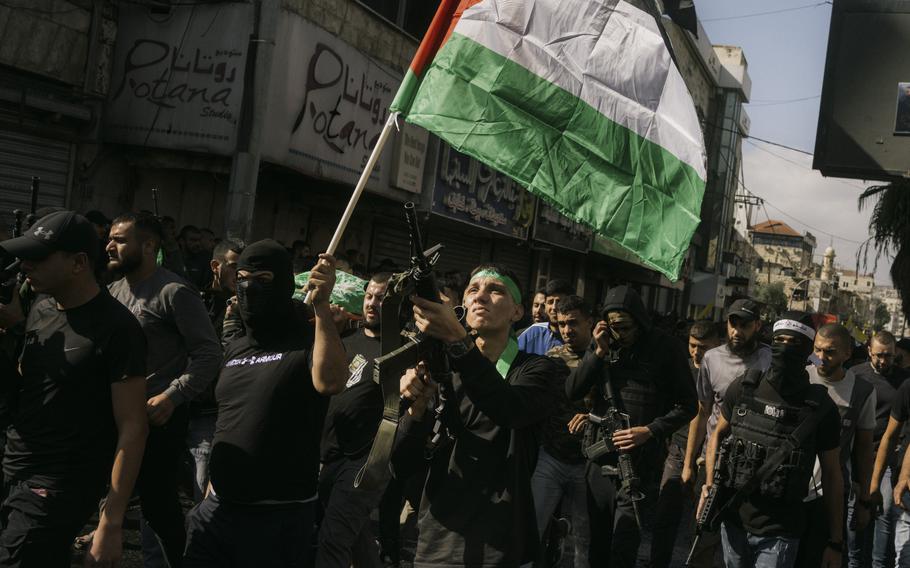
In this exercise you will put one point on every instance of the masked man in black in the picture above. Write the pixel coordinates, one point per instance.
(774, 414)
(647, 373)
(271, 406)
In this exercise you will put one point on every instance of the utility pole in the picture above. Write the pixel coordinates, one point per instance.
(241, 198)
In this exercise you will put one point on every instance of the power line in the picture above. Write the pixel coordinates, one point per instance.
(801, 166)
(757, 103)
(749, 136)
(766, 151)
(778, 144)
(757, 14)
(785, 214)
(816, 229)
(784, 100)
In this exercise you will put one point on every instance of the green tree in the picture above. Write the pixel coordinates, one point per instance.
(882, 317)
(773, 296)
(889, 227)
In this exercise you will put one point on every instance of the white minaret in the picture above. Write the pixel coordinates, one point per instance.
(828, 265)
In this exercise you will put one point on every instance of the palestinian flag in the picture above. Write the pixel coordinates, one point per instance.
(577, 100)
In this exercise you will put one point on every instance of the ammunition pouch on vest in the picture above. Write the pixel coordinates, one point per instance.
(758, 428)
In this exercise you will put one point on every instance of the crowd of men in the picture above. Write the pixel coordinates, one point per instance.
(541, 431)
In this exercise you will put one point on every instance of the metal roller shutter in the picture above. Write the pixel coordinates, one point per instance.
(462, 251)
(23, 156)
(515, 256)
(562, 265)
(390, 240)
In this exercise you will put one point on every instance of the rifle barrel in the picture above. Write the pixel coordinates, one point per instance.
(692, 550)
(36, 181)
(155, 202)
(410, 214)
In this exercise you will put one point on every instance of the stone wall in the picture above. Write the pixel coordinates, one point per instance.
(358, 26)
(56, 39)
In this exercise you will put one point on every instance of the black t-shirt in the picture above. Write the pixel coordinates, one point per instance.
(266, 445)
(900, 409)
(886, 396)
(761, 515)
(354, 413)
(63, 432)
(477, 508)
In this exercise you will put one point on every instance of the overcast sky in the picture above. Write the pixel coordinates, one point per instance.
(786, 58)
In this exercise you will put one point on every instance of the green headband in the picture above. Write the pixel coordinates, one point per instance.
(510, 284)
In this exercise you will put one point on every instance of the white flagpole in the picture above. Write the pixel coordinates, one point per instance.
(358, 189)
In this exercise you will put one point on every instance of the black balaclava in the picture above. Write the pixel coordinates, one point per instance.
(266, 307)
(788, 373)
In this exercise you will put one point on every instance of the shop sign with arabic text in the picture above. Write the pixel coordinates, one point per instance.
(328, 103)
(472, 192)
(178, 79)
(552, 227)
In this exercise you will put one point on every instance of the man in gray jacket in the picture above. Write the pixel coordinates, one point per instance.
(184, 357)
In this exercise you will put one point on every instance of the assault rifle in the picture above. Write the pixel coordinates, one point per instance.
(155, 203)
(716, 501)
(10, 275)
(611, 421)
(33, 203)
(402, 347)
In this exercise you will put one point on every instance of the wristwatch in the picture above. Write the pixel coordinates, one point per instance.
(460, 348)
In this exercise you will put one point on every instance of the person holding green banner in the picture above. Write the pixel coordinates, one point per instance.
(477, 507)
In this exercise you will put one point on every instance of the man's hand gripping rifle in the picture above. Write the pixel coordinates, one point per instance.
(715, 503)
(612, 421)
(402, 348)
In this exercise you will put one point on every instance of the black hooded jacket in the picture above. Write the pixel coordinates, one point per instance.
(651, 377)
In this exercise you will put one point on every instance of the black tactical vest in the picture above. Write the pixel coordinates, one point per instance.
(758, 428)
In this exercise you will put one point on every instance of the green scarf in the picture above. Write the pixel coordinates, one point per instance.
(508, 356)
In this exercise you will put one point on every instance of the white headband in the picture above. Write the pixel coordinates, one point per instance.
(793, 325)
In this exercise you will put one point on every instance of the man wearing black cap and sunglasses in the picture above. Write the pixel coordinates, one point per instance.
(78, 423)
(773, 424)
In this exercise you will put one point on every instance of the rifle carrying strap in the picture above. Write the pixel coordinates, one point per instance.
(376, 472)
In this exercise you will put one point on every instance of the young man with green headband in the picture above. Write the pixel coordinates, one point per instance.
(477, 508)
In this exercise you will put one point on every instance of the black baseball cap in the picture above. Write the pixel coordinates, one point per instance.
(63, 230)
(97, 217)
(743, 308)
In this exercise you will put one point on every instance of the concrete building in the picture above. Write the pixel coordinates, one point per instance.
(892, 301)
(784, 252)
(718, 78)
(858, 283)
(55, 71)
